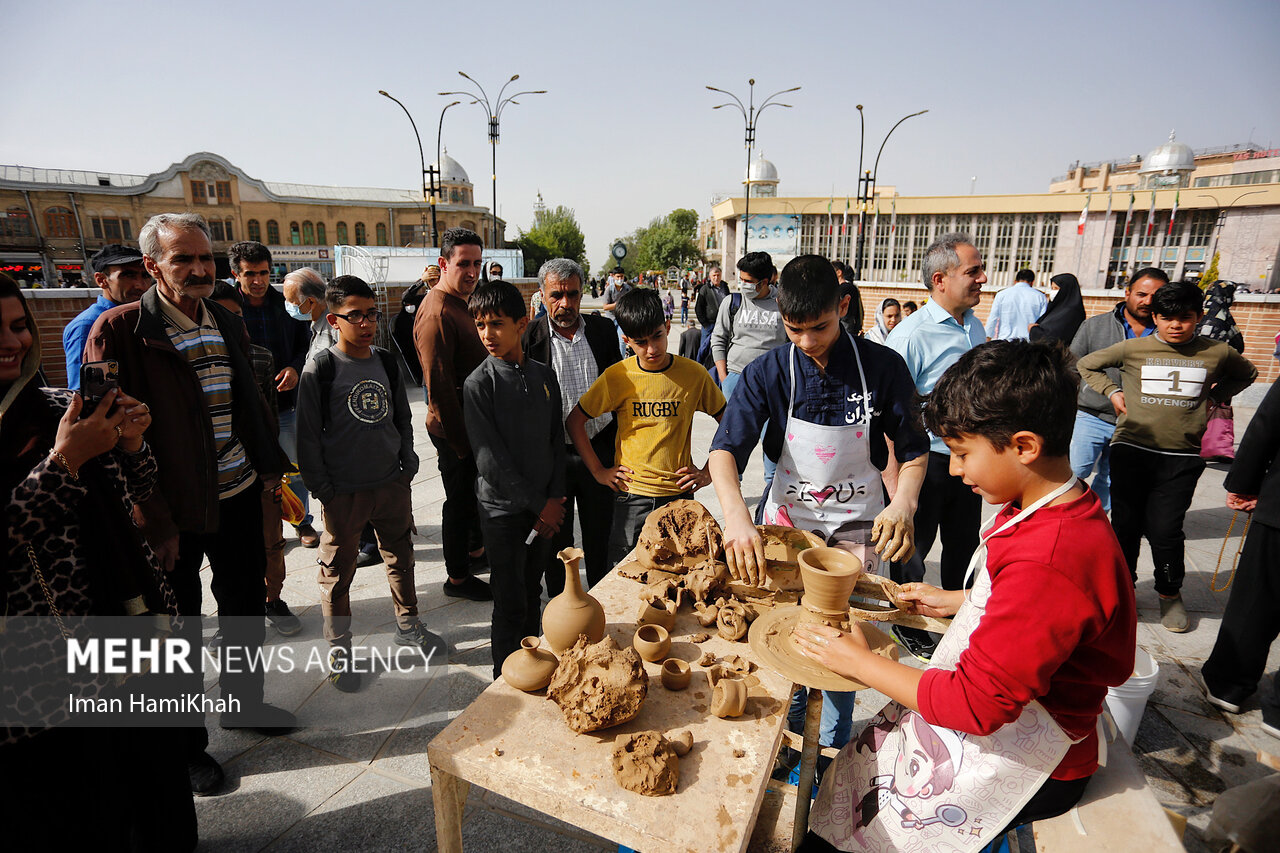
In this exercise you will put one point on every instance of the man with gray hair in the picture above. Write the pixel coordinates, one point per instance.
(931, 340)
(304, 301)
(578, 347)
(188, 358)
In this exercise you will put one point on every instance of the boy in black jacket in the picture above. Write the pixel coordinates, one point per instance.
(512, 409)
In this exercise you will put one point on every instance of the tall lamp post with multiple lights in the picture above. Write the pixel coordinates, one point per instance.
(494, 113)
(867, 185)
(437, 176)
(422, 161)
(750, 113)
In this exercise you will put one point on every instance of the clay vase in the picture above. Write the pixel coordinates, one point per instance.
(675, 674)
(572, 612)
(829, 576)
(729, 697)
(529, 668)
(661, 612)
(652, 642)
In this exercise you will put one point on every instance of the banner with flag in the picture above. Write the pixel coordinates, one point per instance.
(1084, 215)
(844, 220)
(1173, 214)
(1128, 216)
(1151, 214)
(893, 215)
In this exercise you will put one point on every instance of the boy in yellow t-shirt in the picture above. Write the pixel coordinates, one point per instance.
(653, 396)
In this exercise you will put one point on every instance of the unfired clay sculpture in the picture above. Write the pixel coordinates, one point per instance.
(572, 612)
(678, 537)
(529, 668)
(598, 685)
(646, 762)
(652, 642)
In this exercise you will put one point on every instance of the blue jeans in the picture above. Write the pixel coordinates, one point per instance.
(289, 442)
(837, 716)
(1090, 448)
(730, 382)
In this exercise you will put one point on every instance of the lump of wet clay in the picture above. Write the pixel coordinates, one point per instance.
(707, 581)
(700, 637)
(737, 665)
(598, 685)
(707, 659)
(731, 619)
(681, 742)
(646, 762)
(706, 613)
(678, 537)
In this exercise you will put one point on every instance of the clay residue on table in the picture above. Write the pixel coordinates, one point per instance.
(678, 537)
(645, 762)
(598, 685)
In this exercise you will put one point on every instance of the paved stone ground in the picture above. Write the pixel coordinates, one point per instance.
(354, 776)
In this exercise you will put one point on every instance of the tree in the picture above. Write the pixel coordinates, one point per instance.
(667, 241)
(1211, 274)
(555, 234)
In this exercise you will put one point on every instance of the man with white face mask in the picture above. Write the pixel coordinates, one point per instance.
(304, 301)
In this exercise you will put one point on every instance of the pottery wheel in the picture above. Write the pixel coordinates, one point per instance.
(770, 639)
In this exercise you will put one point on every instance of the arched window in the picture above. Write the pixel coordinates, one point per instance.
(342, 233)
(16, 223)
(60, 222)
(362, 237)
(295, 234)
(321, 237)
(382, 233)
(273, 233)
(453, 196)
(255, 230)
(308, 233)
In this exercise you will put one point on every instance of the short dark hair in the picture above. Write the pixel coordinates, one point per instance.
(758, 265)
(455, 237)
(247, 252)
(910, 304)
(1025, 275)
(345, 286)
(807, 288)
(495, 298)
(639, 312)
(1148, 272)
(1177, 298)
(222, 290)
(9, 288)
(1002, 387)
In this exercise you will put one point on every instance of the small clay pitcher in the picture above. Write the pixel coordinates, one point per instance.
(529, 668)
(729, 697)
(572, 612)
(661, 612)
(652, 642)
(675, 674)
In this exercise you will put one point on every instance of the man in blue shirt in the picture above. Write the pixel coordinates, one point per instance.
(1016, 308)
(119, 272)
(929, 341)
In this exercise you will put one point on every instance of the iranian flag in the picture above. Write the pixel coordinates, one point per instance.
(1173, 214)
(1084, 215)
(844, 220)
(1128, 217)
(893, 215)
(1151, 214)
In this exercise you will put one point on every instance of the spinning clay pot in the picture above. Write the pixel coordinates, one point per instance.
(572, 612)
(652, 642)
(829, 576)
(729, 697)
(675, 674)
(529, 668)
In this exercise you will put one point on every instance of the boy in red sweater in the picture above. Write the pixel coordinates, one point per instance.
(1048, 626)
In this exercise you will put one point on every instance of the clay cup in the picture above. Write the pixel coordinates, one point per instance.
(729, 697)
(652, 642)
(675, 674)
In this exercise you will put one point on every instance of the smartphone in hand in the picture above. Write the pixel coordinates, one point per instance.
(96, 379)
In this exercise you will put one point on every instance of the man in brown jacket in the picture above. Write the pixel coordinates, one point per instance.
(449, 348)
(188, 358)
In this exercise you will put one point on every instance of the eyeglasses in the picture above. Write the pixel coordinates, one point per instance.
(355, 318)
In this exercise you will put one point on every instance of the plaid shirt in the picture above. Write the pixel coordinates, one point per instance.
(575, 368)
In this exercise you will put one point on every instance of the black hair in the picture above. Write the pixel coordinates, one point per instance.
(890, 302)
(807, 288)
(1025, 275)
(345, 286)
(493, 264)
(1002, 387)
(1177, 298)
(497, 298)
(222, 290)
(758, 265)
(910, 304)
(247, 252)
(458, 237)
(1148, 272)
(9, 287)
(639, 313)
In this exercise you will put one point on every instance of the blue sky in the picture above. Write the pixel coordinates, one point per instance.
(288, 92)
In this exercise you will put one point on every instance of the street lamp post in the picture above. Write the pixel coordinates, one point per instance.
(422, 161)
(867, 189)
(1222, 217)
(493, 112)
(437, 176)
(750, 113)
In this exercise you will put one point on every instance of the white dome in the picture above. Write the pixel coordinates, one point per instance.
(762, 171)
(452, 171)
(1170, 157)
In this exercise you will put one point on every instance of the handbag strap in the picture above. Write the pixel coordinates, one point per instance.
(48, 593)
(1213, 581)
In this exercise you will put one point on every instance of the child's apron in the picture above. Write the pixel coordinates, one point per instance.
(870, 799)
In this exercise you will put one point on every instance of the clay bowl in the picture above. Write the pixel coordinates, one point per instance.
(652, 642)
(675, 674)
(829, 575)
(662, 613)
(729, 697)
(529, 667)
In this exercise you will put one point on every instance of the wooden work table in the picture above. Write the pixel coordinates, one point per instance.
(518, 746)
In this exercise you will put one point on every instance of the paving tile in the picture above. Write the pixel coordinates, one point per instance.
(371, 814)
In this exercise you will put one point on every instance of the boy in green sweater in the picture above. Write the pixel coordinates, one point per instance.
(1155, 452)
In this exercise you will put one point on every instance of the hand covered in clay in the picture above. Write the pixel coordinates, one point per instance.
(893, 534)
(744, 551)
(834, 649)
(693, 478)
(927, 600)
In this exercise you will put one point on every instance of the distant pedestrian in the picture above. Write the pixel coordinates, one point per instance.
(1065, 314)
(1015, 308)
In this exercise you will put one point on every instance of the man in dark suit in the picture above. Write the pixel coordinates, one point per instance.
(578, 348)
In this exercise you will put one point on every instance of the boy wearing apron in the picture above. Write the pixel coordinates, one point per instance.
(1002, 728)
(830, 401)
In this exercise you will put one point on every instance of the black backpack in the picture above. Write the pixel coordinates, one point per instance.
(326, 370)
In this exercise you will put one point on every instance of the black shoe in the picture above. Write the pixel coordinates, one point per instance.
(472, 588)
(368, 556)
(340, 674)
(920, 643)
(264, 719)
(206, 775)
(215, 642)
(281, 618)
(431, 645)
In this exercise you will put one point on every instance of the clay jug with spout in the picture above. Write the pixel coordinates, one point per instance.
(572, 612)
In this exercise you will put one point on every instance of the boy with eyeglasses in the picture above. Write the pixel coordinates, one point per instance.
(355, 452)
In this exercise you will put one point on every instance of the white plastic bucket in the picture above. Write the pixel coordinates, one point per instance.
(1127, 702)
